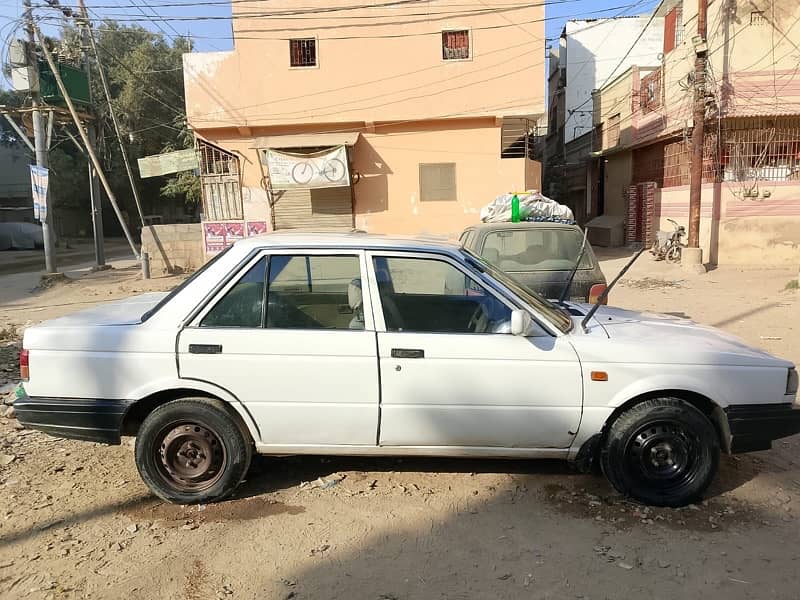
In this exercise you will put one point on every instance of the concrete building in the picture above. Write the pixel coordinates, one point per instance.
(16, 200)
(643, 120)
(392, 118)
(590, 53)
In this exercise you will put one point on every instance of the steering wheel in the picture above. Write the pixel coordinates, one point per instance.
(479, 320)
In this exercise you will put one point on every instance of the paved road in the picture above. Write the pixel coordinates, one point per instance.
(21, 261)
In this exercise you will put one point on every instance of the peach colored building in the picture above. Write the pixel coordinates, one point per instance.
(434, 104)
(751, 194)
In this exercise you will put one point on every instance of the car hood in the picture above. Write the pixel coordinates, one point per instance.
(652, 337)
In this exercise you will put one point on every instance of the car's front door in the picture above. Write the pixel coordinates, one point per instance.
(452, 374)
(291, 339)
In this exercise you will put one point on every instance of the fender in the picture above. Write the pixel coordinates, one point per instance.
(167, 384)
(596, 414)
(657, 383)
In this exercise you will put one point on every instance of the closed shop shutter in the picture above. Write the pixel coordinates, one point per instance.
(292, 209)
(329, 208)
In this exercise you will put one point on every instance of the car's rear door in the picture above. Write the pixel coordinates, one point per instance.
(452, 374)
(289, 336)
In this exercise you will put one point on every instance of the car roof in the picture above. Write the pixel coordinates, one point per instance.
(300, 238)
(523, 225)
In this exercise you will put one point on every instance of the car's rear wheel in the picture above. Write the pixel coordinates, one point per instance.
(662, 451)
(192, 451)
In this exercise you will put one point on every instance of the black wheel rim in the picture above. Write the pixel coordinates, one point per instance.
(189, 456)
(664, 455)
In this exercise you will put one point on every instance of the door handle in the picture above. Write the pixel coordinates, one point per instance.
(407, 353)
(205, 349)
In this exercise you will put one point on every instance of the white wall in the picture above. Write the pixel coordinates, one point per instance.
(594, 51)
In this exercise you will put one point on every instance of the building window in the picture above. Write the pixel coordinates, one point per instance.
(303, 53)
(650, 92)
(755, 150)
(757, 18)
(455, 45)
(613, 130)
(437, 181)
(516, 138)
(673, 29)
(219, 184)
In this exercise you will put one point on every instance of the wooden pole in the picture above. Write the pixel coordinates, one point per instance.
(698, 129)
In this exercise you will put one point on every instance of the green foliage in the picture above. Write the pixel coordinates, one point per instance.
(185, 185)
(145, 77)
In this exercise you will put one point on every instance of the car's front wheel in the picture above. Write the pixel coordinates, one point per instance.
(662, 451)
(192, 450)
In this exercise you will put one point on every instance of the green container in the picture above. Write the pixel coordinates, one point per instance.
(74, 79)
(515, 209)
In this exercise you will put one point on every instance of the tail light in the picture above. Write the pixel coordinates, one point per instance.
(596, 291)
(24, 368)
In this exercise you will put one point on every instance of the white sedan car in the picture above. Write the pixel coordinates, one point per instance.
(354, 344)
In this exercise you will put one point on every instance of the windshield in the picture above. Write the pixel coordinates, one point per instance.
(535, 249)
(553, 312)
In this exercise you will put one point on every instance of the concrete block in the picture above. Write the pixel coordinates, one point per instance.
(692, 260)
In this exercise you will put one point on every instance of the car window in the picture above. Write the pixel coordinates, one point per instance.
(243, 304)
(431, 295)
(466, 237)
(183, 285)
(535, 249)
(314, 292)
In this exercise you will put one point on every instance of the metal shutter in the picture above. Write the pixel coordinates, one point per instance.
(332, 207)
(320, 207)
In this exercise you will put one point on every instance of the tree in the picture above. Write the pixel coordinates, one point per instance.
(145, 76)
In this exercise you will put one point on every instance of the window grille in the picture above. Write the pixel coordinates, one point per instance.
(455, 45)
(303, 53)
(219, 182)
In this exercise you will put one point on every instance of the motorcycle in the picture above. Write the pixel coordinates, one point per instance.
(668, 245)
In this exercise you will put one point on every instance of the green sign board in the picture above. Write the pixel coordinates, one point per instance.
(75, 80)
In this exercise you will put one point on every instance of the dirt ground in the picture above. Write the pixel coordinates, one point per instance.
(76, 521)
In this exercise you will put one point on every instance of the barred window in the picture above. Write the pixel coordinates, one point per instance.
(455, 45)
(303, 53)
(219, 183)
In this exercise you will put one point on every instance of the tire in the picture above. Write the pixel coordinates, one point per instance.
(663, 452)
(192, 450)
(674, 254)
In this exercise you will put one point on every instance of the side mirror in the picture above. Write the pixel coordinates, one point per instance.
(520, 322)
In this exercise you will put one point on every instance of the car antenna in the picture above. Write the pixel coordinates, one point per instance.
(565, 291)
(604, 295)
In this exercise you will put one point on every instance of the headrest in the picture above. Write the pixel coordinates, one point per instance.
(355, 296)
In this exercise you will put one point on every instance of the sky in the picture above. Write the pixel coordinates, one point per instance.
(215, 34)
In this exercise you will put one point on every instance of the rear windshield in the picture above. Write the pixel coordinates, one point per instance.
(182, 286)
(535, 249)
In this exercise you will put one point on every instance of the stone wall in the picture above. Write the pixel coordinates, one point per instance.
(173, 248)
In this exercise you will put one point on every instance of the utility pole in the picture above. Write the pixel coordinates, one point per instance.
(94, 182)
(698, 129)
(85, 139)
(88, 32)
(39, 139)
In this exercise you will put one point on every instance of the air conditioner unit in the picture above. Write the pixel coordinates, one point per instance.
(25, 79)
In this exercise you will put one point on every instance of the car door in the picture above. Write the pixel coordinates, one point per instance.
(451, 372)
(292, 337)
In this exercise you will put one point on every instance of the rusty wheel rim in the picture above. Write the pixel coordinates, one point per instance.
(190, 456)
